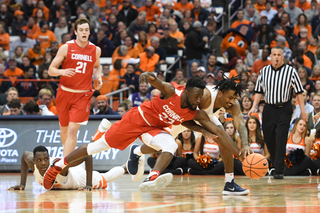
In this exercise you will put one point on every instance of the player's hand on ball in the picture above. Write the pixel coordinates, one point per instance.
(246, 150)
(86, 188)
(16, 187)
(69, 72)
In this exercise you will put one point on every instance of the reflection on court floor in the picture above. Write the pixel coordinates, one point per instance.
(185, 194)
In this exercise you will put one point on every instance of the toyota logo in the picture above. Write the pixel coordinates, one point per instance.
(7, 137)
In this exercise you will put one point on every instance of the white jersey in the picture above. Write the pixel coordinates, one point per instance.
(175, 130)
(256, 148)
(76, 178)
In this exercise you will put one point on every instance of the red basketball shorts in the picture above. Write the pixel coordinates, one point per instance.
(73, 107)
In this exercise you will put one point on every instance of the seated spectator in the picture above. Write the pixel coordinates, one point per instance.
(18, 23)
(194, 69)
(45, 64)
(201, 73)
(152, 10)
(109, 82)
(5, 84)
(31, 27)
(178, 76)
(13, 71)
(104, 109)
(306, 83)
(106, 46)
(304, 46)
(315, 75)
(313, 43)
(210, 79)
(252, 56)
(165, 14)
(240, 19)
(54, 47)
(212, 67)
(93, 105)
(64, 38)
(259, 64)
(306, 60)
(26, 63)
(23, 41)
(299, 63)
(162, 24)
(4, 37)
(130, 79)
(148, 60)
(132, 51)
(18, 54)
(143, 41)
(121, 53)
(302, 23)
(281, 42)
(45, 98)
(260, 5)
(36, 54)
(93, 5)
(44, 35)
(43, 75)
(122, 109)
(40, 5)
(313, 11)
(129, 103)
(303, 5)
(128, 11)
(253, 77)
(169, 44)
(269, 12)
(278, 17)
(174, 33)
(60, 29)
(183, 6)
(245, 105)
(251, 15)
(152, 31)
(154, 93)
(12, 93)
(138, 97)
(250, 89)
(32, 108)
(138, 26)
(307, 106)
(15, 108)
(27, 88)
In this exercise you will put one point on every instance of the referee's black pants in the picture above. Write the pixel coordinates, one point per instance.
(275, 126)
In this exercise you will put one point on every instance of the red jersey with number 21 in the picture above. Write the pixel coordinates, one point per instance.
(82, 60)
(166, 112)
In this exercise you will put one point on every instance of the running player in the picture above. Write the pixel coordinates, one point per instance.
(171, 107)
(79, 59)
(72, 176)
(224, 94)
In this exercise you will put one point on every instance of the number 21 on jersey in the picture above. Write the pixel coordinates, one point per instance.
(81, 67)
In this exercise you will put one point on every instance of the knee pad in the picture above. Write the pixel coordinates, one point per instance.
(97, 146)
(170, 147)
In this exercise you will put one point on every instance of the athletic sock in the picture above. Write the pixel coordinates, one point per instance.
(61, 163)
(137, 151)
(229, 177)
(153, 174)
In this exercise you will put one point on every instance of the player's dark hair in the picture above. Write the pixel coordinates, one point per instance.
(195, 82)
(14, 103)
(39, 149)
(229, 84)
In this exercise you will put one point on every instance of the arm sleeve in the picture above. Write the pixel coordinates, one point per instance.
(296, 83)
(259, 85)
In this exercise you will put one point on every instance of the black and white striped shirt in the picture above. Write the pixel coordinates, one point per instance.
(277, 85)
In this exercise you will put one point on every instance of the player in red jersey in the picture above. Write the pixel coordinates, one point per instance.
(171, 107)
(80, 59)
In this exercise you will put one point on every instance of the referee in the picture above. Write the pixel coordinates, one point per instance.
(276, 82)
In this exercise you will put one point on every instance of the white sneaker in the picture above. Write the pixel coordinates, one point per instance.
(140, 172)
(159, 183)
(104, 125)
(319, 188)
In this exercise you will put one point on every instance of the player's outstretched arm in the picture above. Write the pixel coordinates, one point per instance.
(26, 163)
(56, 62)
(241, 127)
(167, 90)
(223, 137)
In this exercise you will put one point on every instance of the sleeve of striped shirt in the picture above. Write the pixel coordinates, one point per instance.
(296, 83)
(259, 84)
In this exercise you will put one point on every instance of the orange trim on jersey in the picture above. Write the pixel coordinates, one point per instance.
(105, 183)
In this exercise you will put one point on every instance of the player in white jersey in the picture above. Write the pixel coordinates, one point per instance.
(224, 94)
(72, 177)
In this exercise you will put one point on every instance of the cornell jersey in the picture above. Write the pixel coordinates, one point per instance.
(82, 60)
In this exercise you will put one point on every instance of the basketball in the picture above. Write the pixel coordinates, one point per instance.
(255, 166)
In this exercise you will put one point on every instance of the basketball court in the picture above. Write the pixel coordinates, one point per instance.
(186, 193)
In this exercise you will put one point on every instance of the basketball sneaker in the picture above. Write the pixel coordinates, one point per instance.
(140, 172)
(133, 161)
(155, 182)
(231, 188)
(103, 127)
(51, 174)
